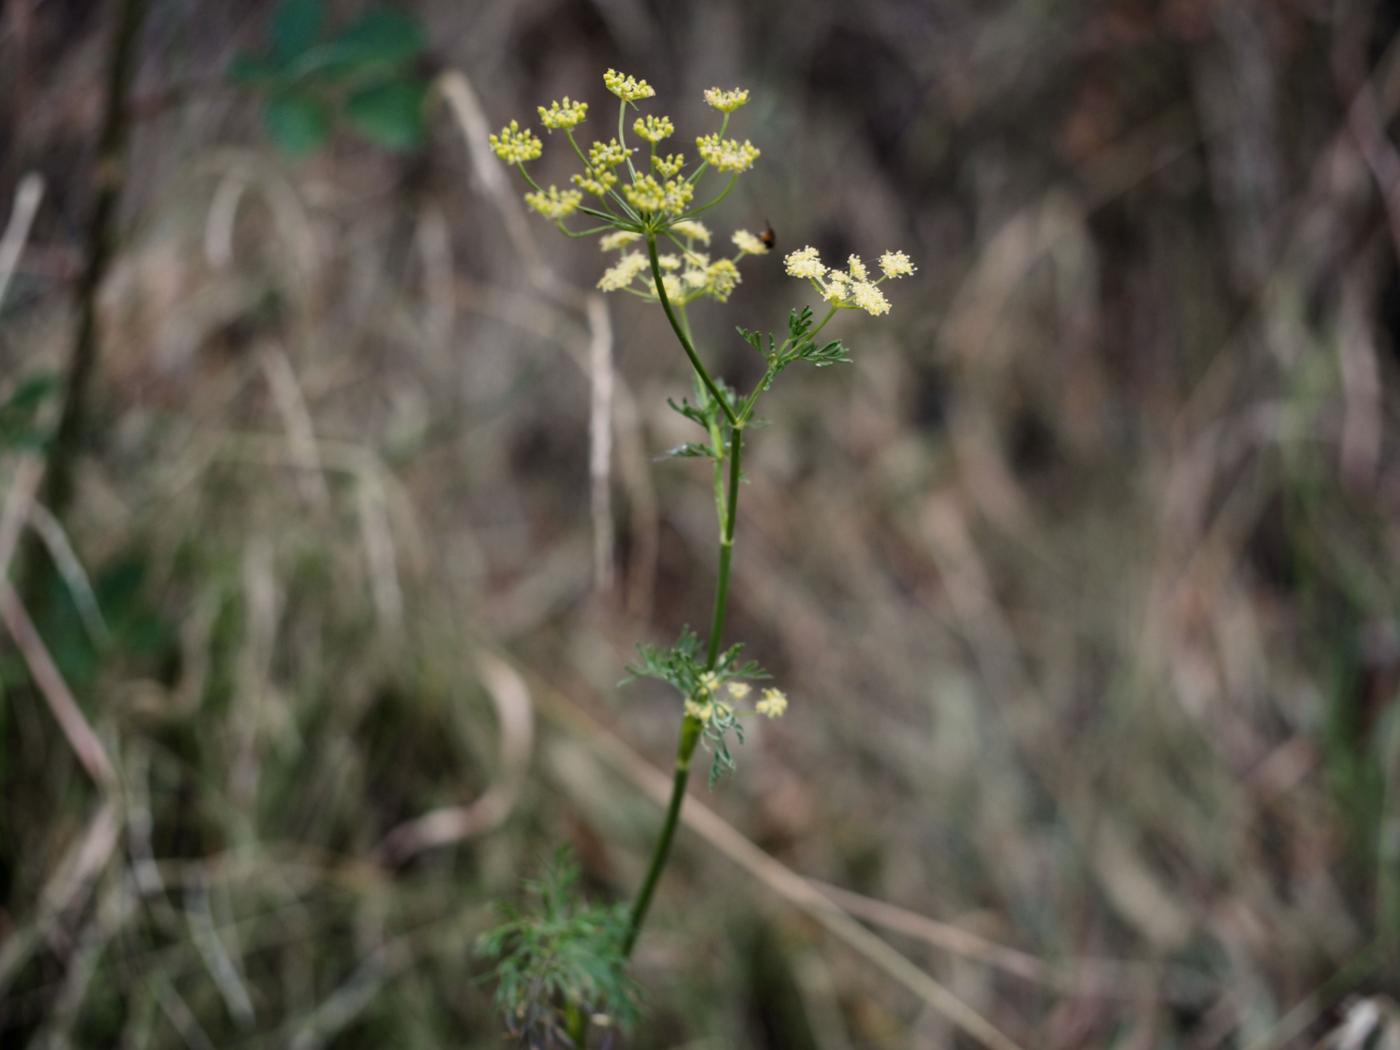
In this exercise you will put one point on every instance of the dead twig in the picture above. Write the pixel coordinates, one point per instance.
(81, 737)
(16, 235)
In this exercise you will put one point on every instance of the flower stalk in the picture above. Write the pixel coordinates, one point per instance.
(656, 201)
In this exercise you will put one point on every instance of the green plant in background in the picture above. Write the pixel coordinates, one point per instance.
(364, 76)
(644, 205)
(20, 427)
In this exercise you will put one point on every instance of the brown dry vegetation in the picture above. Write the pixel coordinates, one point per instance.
(1083, 578)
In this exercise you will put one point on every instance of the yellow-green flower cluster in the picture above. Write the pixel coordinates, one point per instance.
(896, 264)
(553, 204)
(629, 89)
(726, 101)
(805, 263)
(610, 242)
(608, 154)
(561, 116)
(647, 194)
(515, 146)
(622, 195)
(669, 166)
(692, 230)
(708, 700)
(596, 181)
(623, 272)
(688, 275)
(749, 243)
(727, 154)
(654, 129)
(773, 703)
(851, 288)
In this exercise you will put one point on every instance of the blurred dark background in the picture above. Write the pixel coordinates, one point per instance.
(1083, 578)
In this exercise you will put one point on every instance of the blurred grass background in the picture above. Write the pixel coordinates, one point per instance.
(1083, 578)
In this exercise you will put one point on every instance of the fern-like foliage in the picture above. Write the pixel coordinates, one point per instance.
(683, 667)
(798, 346)
(558, 960)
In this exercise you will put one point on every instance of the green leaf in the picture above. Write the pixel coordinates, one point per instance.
(19, 412)
(833, 353)
(685, 408)
(754, 339)
(389, 114)
(383, 37)
(32, 393)
(298, 122)
(690, 450)
(253, 71)
(799, 322)
(295, 26)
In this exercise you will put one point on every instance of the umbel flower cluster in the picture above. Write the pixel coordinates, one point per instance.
(633, 194)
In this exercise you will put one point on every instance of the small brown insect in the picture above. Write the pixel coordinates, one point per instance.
(768, 237)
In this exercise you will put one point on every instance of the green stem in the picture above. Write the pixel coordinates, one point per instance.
(691, 727)
(622, 136)
(583, 233)
(710, 204)
(723, 127)
(576, 1023)
(830, 313)
(690, 736)
(726, 545)
(676, 326)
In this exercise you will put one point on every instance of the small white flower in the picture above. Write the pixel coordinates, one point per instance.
(623, 272)
(721, 276)
(692, 230)
(619, 239)
(837, 288)
(749, 243)
(869, 298)
(772, 704)
(805, 263)
(896, 264)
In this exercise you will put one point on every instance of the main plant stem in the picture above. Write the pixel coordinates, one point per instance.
(726, 544)
(691, 727)
(679, 329)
